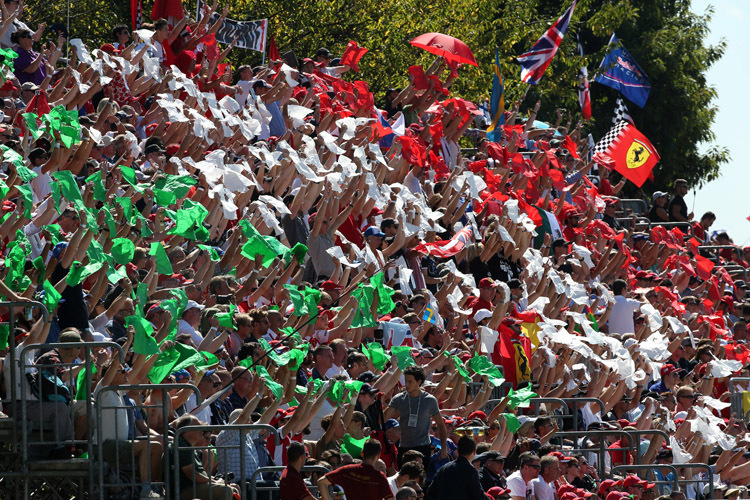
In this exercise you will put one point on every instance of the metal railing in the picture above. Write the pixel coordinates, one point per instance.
(58, 415)
(116, 473)
(650, 468)
(255, 488)
(685, 227)
(601, 448)
(708, 471)
(634, 205)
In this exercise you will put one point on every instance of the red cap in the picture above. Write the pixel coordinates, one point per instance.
(565, 488)
(560, 456)
(606, 485)
(631, 480)
(616, 495)
(487, 283)
(667, 369)
(173, 149)
(497, 491)
(583, 493)
(625, 423)
(647, 486)
(478, 415)
(109, 49)
(150, 129)
(329, 285)
(568, 496)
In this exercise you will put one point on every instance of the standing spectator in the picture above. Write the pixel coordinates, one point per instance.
(621, 317)
(677, 207)
(292, 486)
(414, 409)
(359, 481)
(701, 227)
(458, 479)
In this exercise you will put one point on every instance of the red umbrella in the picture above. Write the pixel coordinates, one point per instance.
(452, 49)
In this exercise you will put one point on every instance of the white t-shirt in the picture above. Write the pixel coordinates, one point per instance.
(114, 421)
(185, 327)
(621, 316)
(519, 487)
(542, 489)
(204, 415)
(337, 370)
(316, 431)
(243, 90)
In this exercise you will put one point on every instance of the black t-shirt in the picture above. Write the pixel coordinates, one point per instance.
(72, 311)
(680, 202)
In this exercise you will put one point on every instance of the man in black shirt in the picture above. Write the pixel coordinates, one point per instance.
(677, 207)
(491, 473)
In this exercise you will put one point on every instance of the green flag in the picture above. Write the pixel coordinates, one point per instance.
(15, 261)
(171, 187)
(97, 180)
(143, 341)
(123, 250)
(81, 383)
(403, 355)
(298, 300)
(276, 389)
(129, 175)
(461, 369)
(480, 364)
(68, 186)
(212, 252)
(267, 246)
(363, 316)
(375, 352)
(520, 398)
(512, 422)
(163, 266)
(4, 333)
(226, 319)
(385, 302)
(51, 296)
(189, 221)
(28, 199)
(353, 446)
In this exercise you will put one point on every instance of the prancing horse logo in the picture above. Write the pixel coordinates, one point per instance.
(638, 154)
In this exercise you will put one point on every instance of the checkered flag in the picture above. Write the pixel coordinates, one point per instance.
(135, 13)
(606, 141)
(621, 112)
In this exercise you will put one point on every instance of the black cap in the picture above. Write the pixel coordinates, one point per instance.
(489, 455)
(154, 148)
(559, 242)
(514, 283)
(323, 52)
(366, 377)
(38, 153)
(368, 389)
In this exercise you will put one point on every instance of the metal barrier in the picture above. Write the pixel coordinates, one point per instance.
(58, 411)
(638, 433)
(707, 469)
(11, 467)
(602, 447)
(712, 252)
(497, 393)
(574, 402)
(626, 221)
(735, 270)
(116, 476)
(650, 468)
(220, 452)
(635, 205)
(255, 488)
(685, 227)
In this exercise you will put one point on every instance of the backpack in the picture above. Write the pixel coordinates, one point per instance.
(48, 387)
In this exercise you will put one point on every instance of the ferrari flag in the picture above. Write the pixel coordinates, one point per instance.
(628, 151)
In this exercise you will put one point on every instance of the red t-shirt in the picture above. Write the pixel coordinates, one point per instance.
(292, 486)
(477, 303)
(361, 481)
(620, 457)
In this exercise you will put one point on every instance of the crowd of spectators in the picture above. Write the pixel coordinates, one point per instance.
(356, 278)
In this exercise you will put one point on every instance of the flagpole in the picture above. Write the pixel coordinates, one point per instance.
(265, 44)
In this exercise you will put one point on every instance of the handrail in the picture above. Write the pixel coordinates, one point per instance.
(575, 402)
(735, 396)
(639, 433)
(261, 470)
(12, 357)
(165, 416)
(700, 466)
(650, 468)
(226, 428)
(602, 449)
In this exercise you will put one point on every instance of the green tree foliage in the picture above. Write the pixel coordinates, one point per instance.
(664, 36)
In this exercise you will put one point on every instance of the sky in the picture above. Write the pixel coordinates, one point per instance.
(728, 196)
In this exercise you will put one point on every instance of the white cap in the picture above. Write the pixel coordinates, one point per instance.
(193, 304)
(482, 314)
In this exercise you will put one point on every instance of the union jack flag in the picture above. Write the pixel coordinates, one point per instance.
(535, 61)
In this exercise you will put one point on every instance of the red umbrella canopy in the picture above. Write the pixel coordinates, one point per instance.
(452, 49)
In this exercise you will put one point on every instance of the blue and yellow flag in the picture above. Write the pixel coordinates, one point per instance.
(497, 103)
(429, 315)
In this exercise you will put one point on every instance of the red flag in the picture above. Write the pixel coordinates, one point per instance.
(412, 151)
(273, 50)
(135, 13)
(447, 248)
(703, 267)
(167, 8)
(420, 80)
(513, 352)
(38, 104)
(352, 55)
(571, 146)
(738, 352)
(210, 47)
(628, 151)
